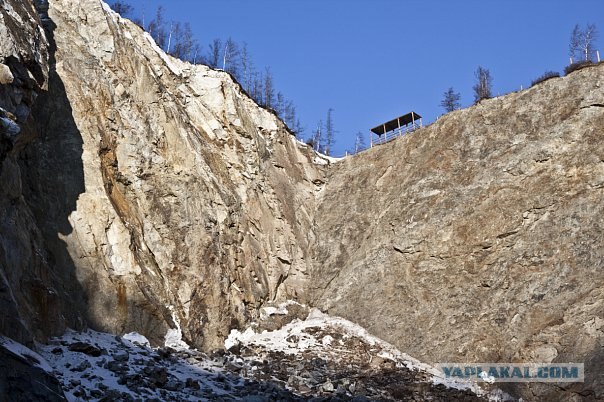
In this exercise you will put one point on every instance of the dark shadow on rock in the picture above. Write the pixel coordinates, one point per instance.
(53, 179)
(22, 379)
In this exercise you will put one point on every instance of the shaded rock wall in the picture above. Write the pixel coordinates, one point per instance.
(32, 295)
(478, 238)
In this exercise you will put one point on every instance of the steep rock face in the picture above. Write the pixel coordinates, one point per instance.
(480, 237)
(30, 286)
(23, 59)
(174, 199)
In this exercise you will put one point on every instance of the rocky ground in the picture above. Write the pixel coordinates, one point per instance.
(319, 358)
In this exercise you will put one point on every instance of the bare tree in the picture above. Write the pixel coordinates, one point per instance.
(269, 89)
(298, 130)
(280, 106)
(329, 133)
(230, 59)
(289, 114)
(482, 89)
(247, 67)
(175, 33)
(197, 54)
(451, 100)
(581, 45)
(317, 137)
(189, 44)
(156, 28)
(181, 42)
(359, 143)
(589, 36)
(215, 48)
(121, 7)
(575, 42)
(257, 88)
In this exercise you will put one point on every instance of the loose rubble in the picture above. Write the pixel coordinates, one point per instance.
(320, 358)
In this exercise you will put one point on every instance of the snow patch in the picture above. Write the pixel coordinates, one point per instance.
(126, 367)
(321, 159)
(90, 371)
(169, 60)
(296, 141)
(137, 339)
(26, 353)
(327, 340)
(173, 338)
(281, 309)
(108, 9)
(294, 339)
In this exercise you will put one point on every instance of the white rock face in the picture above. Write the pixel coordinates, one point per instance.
(174, 188)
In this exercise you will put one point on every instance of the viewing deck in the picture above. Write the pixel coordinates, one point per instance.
(395, 128)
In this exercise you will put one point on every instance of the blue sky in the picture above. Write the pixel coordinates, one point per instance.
(372, 60)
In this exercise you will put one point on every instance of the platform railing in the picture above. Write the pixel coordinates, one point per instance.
(394, 134)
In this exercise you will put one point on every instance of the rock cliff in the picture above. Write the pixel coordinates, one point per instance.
(26, 279)
(167, 199)
(478, 238)
(140, 193)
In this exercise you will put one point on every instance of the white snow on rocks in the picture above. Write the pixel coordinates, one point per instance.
(295, 338)
(320, 356)
(173, 339)
(321, 159)
(137, 338)
(281, 309)
(124, 368)
(26, 353)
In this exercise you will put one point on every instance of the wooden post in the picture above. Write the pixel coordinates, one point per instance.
(412, 120)
(420, 122)
(384, 138)
(598, 55)
(398, 120)
(571, 60)
(370, 139)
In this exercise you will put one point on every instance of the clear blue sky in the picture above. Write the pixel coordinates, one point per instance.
(372, 60)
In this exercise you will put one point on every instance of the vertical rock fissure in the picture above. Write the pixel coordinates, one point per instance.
(150, 281)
